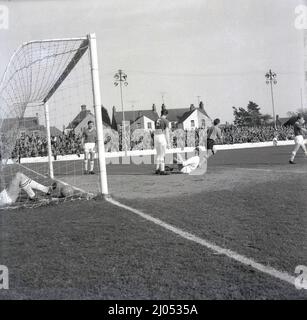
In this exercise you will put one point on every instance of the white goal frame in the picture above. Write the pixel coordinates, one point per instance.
(88, 42)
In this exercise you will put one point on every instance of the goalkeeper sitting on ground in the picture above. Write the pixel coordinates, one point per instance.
(195, 165)
(20, 182)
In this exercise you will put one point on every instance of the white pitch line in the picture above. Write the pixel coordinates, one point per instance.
(272, 170)
(284, 276)
(32, 171)
(58, 180)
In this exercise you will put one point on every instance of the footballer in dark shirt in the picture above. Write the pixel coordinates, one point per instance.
(298, 139)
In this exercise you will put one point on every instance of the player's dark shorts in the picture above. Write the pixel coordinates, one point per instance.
(210, 144)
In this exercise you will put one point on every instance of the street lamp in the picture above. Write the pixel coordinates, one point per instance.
(271, 79)
(120, 78)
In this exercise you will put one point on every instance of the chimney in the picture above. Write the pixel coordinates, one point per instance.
(201, 105)
(114, 109)
(163, 107)
(192, 107)
(83, 107)
(154, 108)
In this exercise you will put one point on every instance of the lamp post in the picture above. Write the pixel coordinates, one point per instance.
(120, 78)
(271, 79)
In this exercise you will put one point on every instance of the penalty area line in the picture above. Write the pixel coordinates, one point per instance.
(284, 276)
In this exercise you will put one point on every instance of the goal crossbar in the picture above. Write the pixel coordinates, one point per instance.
(78, 55)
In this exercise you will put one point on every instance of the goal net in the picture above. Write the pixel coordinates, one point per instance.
(48, 94)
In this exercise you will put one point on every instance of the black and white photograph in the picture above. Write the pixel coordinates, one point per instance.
(153, 151)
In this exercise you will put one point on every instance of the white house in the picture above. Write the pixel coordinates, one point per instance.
(139, 119)
(188, 118)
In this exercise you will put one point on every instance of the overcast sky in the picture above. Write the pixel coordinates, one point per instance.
(217, 49)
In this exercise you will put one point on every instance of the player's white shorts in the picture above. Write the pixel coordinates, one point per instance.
(4, 198)
(89, 147)
(299, 140)
(160, 145)
(190, 165)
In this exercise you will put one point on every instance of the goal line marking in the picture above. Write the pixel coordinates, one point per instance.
(272, 170)
(60, 181)
(284, 276)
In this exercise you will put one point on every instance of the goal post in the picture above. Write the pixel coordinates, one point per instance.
(50, 164)
(42, 90)
(97, 107)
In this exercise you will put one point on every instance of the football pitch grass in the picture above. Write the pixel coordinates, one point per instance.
(251, 203)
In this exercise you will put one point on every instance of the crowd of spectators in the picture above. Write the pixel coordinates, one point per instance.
(35, 145)
(235, 134)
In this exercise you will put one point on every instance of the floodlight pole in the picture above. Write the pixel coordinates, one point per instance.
(121, 78)
(271, 79)
(97, 107)
(50, 163)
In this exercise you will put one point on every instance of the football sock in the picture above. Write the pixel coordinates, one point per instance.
(157, 164)
(38, 186)
(163, 166)
(91, 165)
(26, 187)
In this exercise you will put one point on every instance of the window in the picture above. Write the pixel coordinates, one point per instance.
(203, 123)
(192, 123)
(149, 125)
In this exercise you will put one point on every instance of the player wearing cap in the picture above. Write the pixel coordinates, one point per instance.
(299, 139)
(161, 140)
(89, 138)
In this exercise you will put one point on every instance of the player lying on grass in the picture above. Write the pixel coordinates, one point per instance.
(20, 182)
(299, 139)
(195, 165)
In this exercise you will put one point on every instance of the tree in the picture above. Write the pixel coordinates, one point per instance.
(240, 115)
(251, 116)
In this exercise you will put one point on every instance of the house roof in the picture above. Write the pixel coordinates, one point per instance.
(132, 116)
(54, 131)
(180, 115)
(282, 120)
(81, 116)
(174, 115)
